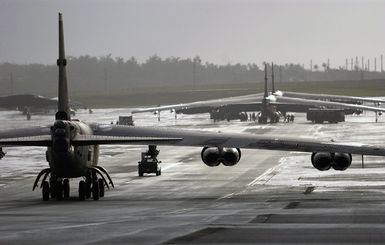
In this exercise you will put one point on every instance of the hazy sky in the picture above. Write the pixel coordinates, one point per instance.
(219, 31)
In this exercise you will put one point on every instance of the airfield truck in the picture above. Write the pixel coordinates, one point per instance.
(320, 115)
(149, 162)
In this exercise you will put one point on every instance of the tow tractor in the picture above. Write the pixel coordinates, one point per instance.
(149, 162)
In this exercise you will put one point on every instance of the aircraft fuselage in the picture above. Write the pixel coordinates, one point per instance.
(66, 160)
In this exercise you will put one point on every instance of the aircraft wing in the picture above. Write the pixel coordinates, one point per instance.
(25, 132)
(248, 141)
(117, 134)
(40, 136)
(103, 140)
(206, 103)
(43, 140)
(328, 97)
(284, 99)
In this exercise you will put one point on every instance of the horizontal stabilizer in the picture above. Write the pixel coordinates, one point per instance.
(103, 140)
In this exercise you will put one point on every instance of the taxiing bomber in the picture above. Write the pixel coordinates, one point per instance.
(73, 146)
(272, 105)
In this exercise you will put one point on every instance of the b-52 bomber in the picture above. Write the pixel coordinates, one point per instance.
(272, 106)
(33, 104)
(73, 146)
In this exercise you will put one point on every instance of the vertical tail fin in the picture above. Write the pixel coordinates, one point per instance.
(272, 78)
(63, 103)
(265, 94)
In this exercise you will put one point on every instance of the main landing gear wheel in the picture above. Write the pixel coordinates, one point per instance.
(88, 188)
(45, 191)
(95, 190)
(66, 188)
(101, 187)
(59, 190)
(82, 190)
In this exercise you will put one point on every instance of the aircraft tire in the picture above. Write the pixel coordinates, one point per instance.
(82, 190)
(52, 189)
(101, 187)
(66, 188)
(45, 191)
(88, 188)
(95, 191)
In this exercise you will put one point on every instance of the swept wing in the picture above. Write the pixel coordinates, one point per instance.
(354, 99)
(115, 134)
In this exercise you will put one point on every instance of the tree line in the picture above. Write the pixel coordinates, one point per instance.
(97, 74)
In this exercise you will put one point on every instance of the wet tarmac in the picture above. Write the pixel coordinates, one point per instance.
(268, 197)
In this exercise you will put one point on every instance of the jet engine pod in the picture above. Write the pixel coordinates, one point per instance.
(342, 161)
(322, 160)
(230, 156)
(211, 156)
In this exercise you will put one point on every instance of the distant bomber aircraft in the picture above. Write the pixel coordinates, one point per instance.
(270, 106)
(73, 146)
(31, 104)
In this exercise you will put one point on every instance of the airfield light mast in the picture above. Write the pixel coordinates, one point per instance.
(265, 95)
(11, 82)
(311, 65)
(272, 77)
(105, 79)
(362, 63)
(346, 64)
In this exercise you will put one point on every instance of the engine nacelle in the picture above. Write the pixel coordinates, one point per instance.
(322, 160)
(342, 161)
(325, 160)
(213, 156)
(230, 156)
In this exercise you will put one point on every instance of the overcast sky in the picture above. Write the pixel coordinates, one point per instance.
(219, 31)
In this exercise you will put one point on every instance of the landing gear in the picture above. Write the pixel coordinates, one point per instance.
(57, 188)
(2, 153)
(45, 191)
(101, 187)
(95, 190)
(82, 190)
(149, 162)
(66, 188)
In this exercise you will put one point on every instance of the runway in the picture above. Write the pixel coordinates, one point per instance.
(268, 197)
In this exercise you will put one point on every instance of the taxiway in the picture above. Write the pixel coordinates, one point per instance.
(268, 197)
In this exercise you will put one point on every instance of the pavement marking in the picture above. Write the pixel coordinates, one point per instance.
(263, 176)
(172, 165)
(226, 196)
